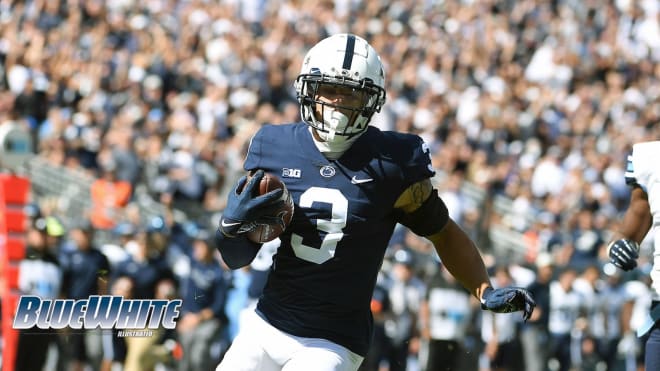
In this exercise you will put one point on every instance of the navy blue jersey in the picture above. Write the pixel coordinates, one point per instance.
(324, 272)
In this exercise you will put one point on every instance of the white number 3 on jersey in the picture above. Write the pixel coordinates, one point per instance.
(332, 227)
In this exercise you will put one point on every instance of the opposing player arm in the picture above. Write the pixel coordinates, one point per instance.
(623, 250)
(426, 214)
(637, 220)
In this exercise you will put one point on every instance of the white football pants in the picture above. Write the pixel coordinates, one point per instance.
(261, 347)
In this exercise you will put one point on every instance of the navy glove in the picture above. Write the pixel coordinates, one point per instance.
(507, 300)
(624, 253)
(245, 209)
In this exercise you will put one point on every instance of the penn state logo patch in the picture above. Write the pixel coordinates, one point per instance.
(327, 171)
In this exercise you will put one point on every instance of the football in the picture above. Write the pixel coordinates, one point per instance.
(280, 219)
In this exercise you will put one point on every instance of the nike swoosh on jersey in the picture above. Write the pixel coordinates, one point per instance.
(355, 180)
(222, 223)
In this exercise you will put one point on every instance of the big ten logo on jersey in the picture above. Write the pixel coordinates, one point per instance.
(290, 173)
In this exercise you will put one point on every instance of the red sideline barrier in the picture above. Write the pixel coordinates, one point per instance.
(11, 276)
(14, 192)
(15, 220)
(15, 189)
(15, 248)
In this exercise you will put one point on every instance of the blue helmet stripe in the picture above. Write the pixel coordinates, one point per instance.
(348, 54)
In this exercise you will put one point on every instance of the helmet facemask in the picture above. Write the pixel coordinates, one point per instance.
(339, 119)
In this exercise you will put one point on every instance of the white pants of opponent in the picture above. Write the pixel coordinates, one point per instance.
(261, 347)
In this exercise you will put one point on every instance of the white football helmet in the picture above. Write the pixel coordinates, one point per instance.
(340, 61)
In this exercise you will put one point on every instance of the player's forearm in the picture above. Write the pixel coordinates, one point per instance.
(461, 258)
(236, 252)
(638, 219)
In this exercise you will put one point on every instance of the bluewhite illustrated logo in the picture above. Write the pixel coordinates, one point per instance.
(103, 311)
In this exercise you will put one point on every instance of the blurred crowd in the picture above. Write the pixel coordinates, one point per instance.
(533, 102)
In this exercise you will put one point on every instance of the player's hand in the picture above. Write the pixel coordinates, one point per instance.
(507, 300)
(624, 253)
(244, 209)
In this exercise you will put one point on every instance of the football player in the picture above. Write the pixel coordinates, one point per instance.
(351, 184)
(642, 216)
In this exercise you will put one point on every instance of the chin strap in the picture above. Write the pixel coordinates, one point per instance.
(335, 148)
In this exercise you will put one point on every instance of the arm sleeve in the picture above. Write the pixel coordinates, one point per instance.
(431, 217)
(237, 252)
